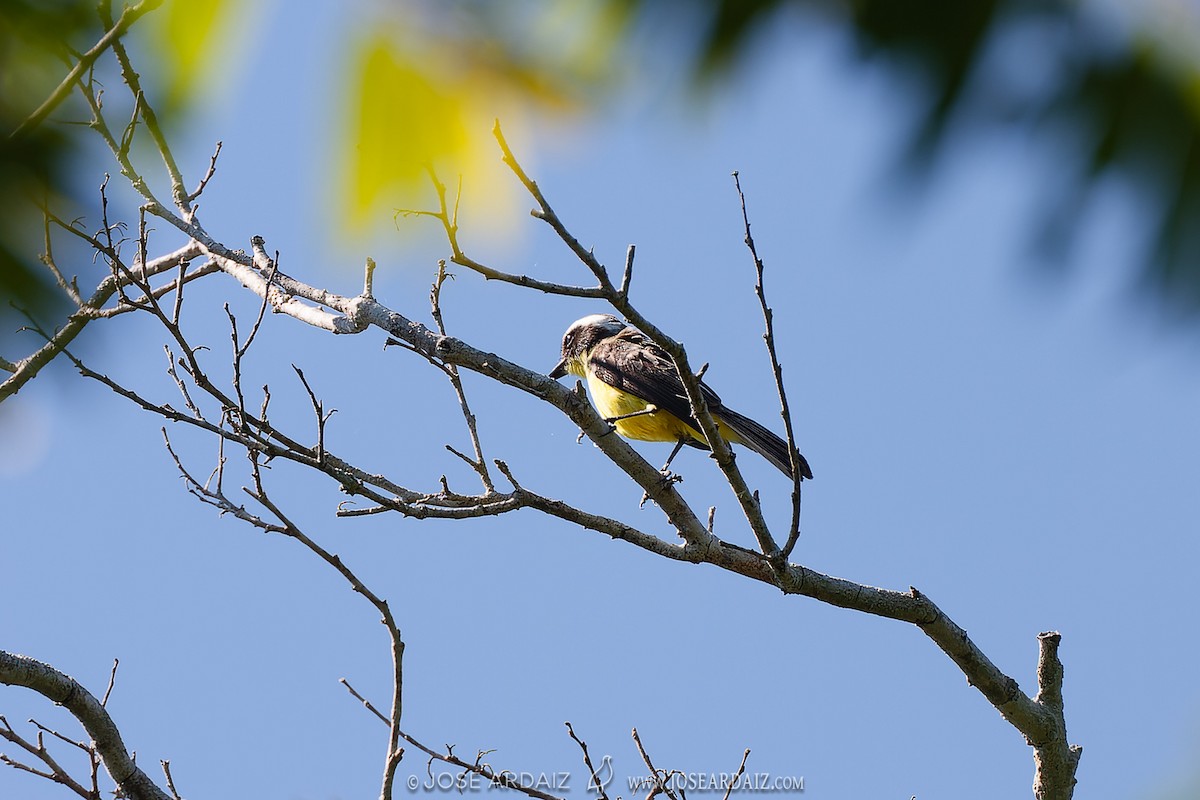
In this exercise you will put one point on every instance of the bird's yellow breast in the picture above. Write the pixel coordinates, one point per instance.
(660, 426)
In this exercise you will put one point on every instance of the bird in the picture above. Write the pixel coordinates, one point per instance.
(635, 386)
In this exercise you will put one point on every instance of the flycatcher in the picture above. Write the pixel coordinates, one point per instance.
(635, 386)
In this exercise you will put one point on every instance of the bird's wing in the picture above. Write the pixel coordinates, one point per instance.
(633, 363)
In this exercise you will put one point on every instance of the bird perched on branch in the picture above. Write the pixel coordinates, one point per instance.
(635, 386)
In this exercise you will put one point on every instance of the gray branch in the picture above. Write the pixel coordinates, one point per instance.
(1039, 718)
(27, 368)
(1033, 718)
(16, 670)
(115, 31)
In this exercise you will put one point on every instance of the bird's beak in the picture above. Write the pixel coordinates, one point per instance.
(559, 370)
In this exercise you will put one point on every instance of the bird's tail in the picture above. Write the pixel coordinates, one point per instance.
(763, 442)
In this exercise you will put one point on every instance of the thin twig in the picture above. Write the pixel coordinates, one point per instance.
(259, 493)
(212, 170)
(47, 258)
(369, 279)
(478, 463)
(262, 310)
(721, 450)
(353, 314)
(166, 768)
(502, 779)
(627, 276)
(783, 553)
(660, 777)
(366, 703)
(595, 782)
(178, 193)
(319, 411)
(54, 773)
(26, 369)
(115, 31)
(740, 771)
(112, 679)
(450, 227)
(52, 684)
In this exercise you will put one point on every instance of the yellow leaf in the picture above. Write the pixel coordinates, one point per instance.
(404, 119)
(182, 34)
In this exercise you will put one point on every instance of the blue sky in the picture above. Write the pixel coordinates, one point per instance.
(1017, 444)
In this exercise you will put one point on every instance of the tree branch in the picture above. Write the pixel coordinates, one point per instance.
(115, 31)
(785, 552)
(619, 300)
(179, 194)
(16, 670)
(54, 771)
(479, 464)
(700, 544)
(27, 368)
(450, 227)
(1055, 759)
(1040, 719)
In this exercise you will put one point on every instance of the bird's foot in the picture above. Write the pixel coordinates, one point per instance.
(667, 479)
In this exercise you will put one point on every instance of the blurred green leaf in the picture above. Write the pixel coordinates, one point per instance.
(1122, 102)
(35, 41)
(187, 46)
(1128, 99)
(405, 118)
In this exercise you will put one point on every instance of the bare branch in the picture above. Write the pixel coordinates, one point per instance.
(450, 226)
(1055, 759)
(121, 154)
(47, 258)
(319, 411)
(545, 213)
(366, 703)
(741, 770)
(64, 739)
(1040, 718)
(166, 768)
(701, 544)
(369, 279)
(115, 31)
(659, 777)
(54, 773)
(44, 679)
(26, 369)
(179, 384)
(262, 310)
(769, 337)
(505, 779)
(595, 782)
(178, 193)
(208, 175)
(259, 493)
(112, 679)
(137, 303)
(479, 464)
(627, 277)
(259, 436)
(721, 450)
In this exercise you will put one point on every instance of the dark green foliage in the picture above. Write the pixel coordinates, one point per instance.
(1116, 102)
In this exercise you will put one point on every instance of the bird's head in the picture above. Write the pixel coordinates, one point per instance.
(583, 335)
